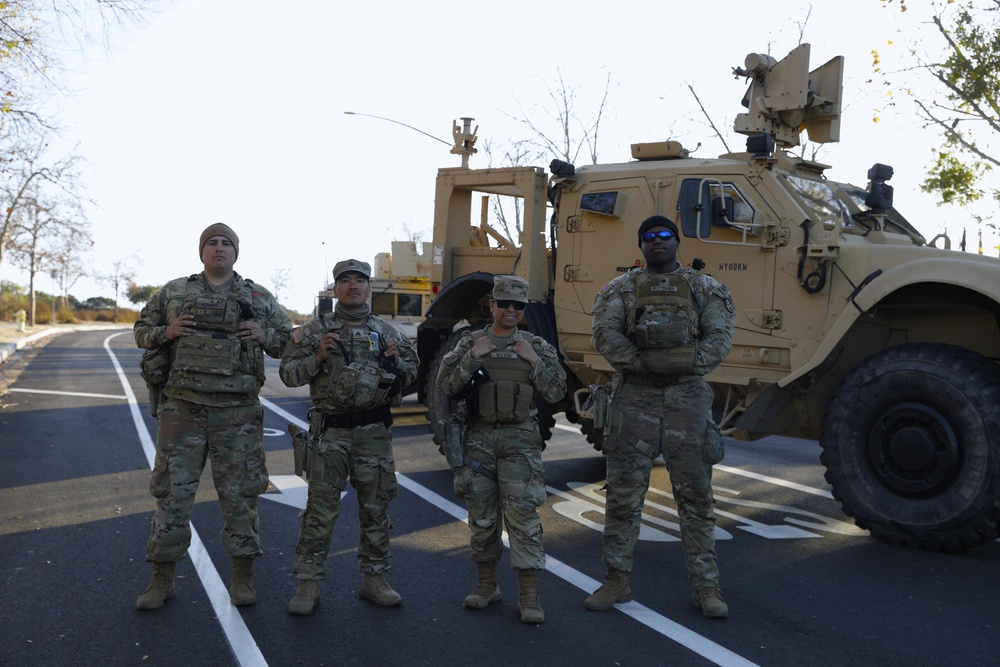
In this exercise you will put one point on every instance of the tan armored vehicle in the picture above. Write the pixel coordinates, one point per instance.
(851, 328)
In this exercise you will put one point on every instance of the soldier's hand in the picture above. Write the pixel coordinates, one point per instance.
(482, 347)
(390, 349)
(184, 325)
(327, 344)
(524, 350)
(249, 329)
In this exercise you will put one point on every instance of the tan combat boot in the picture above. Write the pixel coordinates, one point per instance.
(306, 598)
(528, 597)
(614, 589)
(488, 591)
(160, 589)
(241, 592)
(710, 601)
(376, 589)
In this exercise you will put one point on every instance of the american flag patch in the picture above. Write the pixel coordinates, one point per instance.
(298, 336)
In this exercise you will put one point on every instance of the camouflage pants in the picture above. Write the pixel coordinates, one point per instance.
(188, 435)
(364, 456)
(514, 457)
(647, 421)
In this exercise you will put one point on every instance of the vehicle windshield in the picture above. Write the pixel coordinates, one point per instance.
(819, 199)
(825, 201)
(894, 217)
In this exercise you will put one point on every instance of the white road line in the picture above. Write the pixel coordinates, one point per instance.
(653, 620)
(68, 393)
(670, 629)
(823, 493)
(240, 640)
(247, 652)
(774, 480)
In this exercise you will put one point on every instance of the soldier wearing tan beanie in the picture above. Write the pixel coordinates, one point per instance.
(219, 229)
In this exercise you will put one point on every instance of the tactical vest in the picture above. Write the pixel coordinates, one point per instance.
(213, 359)
(363, 382)
(663, 316)
(508, 395)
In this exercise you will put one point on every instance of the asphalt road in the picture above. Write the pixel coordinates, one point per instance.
(805, 587)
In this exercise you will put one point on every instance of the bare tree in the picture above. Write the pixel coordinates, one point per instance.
(42, 228)
(121, 276)
(32, 171)
(38, 38)
(507, 210)
(281, 280)
(70, 263)
(36, 42)
(572, 132)
(409, 233)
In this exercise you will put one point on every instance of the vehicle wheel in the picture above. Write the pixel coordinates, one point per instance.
(911, 445)
(595, 436)
(546, 419)
(438, 403)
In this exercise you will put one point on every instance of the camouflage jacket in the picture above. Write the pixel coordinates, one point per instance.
(299, 365)
(548, 377)
(167, 304)
(713, 308)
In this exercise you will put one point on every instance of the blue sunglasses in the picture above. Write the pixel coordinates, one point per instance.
(664, 234)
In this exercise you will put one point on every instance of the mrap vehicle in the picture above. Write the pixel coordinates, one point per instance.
(851, 328)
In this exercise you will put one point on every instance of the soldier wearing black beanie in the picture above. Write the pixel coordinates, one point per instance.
(658, 221)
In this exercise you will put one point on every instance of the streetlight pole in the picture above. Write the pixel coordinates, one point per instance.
(390, 120)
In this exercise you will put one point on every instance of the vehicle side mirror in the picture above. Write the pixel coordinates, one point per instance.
(723, 211)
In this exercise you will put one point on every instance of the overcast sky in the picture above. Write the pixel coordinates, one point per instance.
(234, 111)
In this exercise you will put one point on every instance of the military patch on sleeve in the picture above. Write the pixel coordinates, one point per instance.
(604, 290)
(298, 336)
(727, 299)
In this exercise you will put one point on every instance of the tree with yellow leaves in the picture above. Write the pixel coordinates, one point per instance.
(960, 56)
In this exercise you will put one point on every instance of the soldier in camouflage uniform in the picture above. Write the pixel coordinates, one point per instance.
(356, 365)
(502, 479)
(662, 327)
(215, 327)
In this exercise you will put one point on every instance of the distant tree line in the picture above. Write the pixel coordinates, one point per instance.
(60, 308)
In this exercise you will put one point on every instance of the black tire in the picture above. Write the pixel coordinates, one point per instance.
(438, 403)
(911, 445)
(546, 419)
(594, 436)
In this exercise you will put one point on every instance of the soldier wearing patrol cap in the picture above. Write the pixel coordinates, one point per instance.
(356, 365)
(662, 327)
(502, 479)
(211, 330)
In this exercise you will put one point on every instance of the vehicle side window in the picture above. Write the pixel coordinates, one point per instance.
(720, 205)
(384, 304)
(409, 304)
(689, 205)
(397, 305)
(730, 208)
